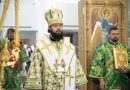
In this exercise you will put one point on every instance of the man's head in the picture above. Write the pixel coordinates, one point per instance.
(113, 34)
(11, 34)
(55, 24)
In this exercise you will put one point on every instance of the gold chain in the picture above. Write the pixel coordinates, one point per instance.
(56, 64)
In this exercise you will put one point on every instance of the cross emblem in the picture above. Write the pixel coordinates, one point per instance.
(31, 72)
(61, 78)
(69, 47)
(46, 46)
(54, 83)
(54, 75)
(59, 85)
(69, 76)
(56, 64)
(35, 72)
(47, 82)
(34, 65)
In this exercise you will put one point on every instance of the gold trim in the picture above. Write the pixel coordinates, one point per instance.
(120, 58)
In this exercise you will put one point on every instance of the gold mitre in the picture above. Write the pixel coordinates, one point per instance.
(53, 16)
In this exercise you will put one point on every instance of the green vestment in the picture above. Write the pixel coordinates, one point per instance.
(103, 68)
(12, 76)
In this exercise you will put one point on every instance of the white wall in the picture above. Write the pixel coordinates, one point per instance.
(27, 14)
(29, 35)
(70, 11)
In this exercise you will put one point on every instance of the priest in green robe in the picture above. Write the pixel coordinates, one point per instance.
(103, 67)
(55, 65)
(12, 69)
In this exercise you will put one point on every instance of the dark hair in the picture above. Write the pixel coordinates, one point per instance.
(49, 30)
(10, 30)
(112, 28)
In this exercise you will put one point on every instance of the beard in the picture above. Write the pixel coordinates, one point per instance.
(11, 38)
(56, 36)
(115, 40)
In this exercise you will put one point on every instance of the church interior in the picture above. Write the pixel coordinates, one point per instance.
(79, 21)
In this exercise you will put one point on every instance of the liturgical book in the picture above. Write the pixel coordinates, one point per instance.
(120, 58)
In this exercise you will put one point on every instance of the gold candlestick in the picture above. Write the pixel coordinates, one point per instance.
(17, 41)
(5, 8)
(4, 54)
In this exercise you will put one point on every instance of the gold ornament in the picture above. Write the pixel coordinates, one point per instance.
(54, 16)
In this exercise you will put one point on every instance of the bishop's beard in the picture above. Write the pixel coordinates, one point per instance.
(56, 36)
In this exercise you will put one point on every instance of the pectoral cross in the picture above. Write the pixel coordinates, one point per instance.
(56, 64)
(46, 46)
(62, 64)
(69, 76)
